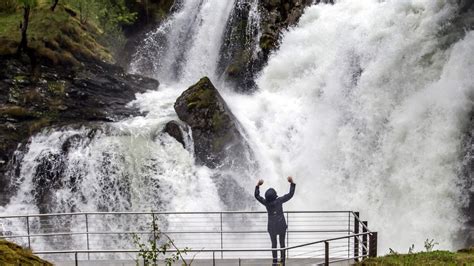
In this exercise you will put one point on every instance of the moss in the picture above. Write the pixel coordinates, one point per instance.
(424, 258)
(203, 97)
(31, 97)
(13, 254)
(38, 125)
(267, 42)
(56, 88)
(17, 112)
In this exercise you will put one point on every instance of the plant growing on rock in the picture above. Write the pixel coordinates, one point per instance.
(430, 244)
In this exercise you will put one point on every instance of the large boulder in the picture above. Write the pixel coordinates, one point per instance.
(217, 138)
(218, 142)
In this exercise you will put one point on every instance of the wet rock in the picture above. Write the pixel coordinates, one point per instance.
(216, 135)
(466, 235)
(278, 15)
(57, 96)
(173, 128)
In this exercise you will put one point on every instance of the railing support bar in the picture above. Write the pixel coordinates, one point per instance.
(287, 236)
(356, 240)
(364, 238)
(28, 231)
(222, 238)
(87, 236)
(373, 245)
(326, 253)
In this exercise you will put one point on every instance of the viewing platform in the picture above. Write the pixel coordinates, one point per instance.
(211, 238)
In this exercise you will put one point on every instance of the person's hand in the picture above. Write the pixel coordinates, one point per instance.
(260, 182)
(290, 179)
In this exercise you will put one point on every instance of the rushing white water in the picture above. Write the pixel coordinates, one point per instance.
(186, 47)
(366, 109)
(362, 104)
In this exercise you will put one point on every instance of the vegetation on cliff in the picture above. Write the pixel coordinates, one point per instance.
(462, 257)
(12, 254)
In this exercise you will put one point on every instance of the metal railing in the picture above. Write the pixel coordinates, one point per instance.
(325, 236)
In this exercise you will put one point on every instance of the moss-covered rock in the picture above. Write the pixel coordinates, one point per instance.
(13, 254)
(218, 141)
(215, 130)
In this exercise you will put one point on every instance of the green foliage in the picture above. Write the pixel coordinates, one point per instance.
(8, 6)
(423, 258)
(28, 3)
(110, 15)
(158, 247)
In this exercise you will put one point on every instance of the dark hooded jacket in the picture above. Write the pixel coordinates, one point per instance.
(274, 205)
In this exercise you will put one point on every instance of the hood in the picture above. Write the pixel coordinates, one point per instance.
(270, 195)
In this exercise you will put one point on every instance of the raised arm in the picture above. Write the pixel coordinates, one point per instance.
(257, 193)
(288, 196)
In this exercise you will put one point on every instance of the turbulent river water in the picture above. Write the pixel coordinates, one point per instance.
(364, 102)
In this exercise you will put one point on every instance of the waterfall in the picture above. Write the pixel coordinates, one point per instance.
(366, 105)
(185, 47)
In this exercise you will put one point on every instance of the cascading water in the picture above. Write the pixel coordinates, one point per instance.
(363, 100)
(364, 104)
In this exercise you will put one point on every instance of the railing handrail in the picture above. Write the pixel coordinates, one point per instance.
(200, 250)
(153, 212)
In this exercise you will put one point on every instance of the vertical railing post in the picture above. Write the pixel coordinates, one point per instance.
(87, 236)
(76, 262)
(373, 245)
(326, 253)
(28, 230)
(348, 233)
(213, 258)
(287, 235)
(222, 238)
(356, 239)
(364, 238)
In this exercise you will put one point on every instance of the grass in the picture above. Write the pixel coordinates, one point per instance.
(12, 254)
(435, 258)
(57, 37)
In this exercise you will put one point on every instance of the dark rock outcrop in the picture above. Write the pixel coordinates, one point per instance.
(278, 15)
(54, 96)
(241, 59)
(215, 130)
(248, 43)
(173, 128)
(466, 236)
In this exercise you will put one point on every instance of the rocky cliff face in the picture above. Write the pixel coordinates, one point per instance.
(251, 37)
(55, 96)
